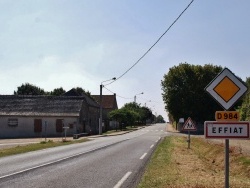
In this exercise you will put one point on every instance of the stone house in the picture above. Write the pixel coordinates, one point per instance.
(37, 116)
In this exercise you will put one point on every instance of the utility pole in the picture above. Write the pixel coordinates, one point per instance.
(100, 120)
(100, 123)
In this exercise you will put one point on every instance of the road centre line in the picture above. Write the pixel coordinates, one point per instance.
(151, 146)
(124, 178)
(142, 157)
(58, 160)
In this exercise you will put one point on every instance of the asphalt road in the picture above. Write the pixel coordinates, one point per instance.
(105, 162)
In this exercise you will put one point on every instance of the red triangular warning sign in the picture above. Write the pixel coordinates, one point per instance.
(189, 125)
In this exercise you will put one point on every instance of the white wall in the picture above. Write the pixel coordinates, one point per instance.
(25, 127)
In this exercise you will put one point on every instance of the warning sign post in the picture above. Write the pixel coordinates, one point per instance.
(189, 126)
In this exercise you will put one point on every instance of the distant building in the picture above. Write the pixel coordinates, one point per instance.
(35, 116)
(109, 103)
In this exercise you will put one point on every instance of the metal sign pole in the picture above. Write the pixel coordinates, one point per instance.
(226, 163)
(45, 127)
(189, 140)
(226, 89)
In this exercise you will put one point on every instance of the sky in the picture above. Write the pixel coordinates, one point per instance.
(81, 43)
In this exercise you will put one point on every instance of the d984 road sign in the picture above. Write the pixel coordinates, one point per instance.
(227, 116)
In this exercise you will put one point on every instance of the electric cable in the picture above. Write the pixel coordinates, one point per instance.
(153, 44)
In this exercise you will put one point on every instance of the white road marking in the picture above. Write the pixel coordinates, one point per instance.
(151, 146)
(158, 139)
(142, 157)
(56, 161)
(124, 178)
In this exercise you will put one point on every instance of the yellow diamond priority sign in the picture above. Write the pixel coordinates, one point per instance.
(226, 88)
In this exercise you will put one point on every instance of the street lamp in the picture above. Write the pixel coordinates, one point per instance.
(135, 96)
(100, 121)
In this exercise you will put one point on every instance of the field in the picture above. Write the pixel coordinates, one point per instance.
(173, 165)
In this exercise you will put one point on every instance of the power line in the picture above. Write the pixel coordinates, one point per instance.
(116, 94)
(131, 97)
(153, 44)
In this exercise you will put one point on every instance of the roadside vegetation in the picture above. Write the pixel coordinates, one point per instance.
(184, 96)
(202, 166)
(132, 114)
(34, 147)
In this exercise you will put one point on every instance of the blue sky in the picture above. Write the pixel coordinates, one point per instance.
(80, 43)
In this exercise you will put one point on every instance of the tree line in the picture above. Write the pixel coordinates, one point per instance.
(134, 114)
(130, 114)
(184, 95)
(30, 89)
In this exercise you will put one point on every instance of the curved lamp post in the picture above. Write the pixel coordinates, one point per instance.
(136, 95)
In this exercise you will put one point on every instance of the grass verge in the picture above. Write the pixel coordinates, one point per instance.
(35, 147)
(160, 163)
(173, 165)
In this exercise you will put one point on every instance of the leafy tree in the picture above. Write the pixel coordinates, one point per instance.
(244, 109)
(144, 112)
(160, 119)
(29, 89)
(124, 116)
(81, 90)
(184, 94)
(58, 91)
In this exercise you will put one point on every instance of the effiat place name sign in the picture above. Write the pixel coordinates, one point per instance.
(227, 130)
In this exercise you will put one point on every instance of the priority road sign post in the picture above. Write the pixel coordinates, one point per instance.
(226, 89)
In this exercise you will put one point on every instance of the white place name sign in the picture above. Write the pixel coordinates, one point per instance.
(226, 130)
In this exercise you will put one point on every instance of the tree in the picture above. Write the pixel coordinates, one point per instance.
(29, 89)
(80, 90)
(160, 119)
(124, 116)
(184, 95)
(58, 91)
(144, 112)
(244, 109)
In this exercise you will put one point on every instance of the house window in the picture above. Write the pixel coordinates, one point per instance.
(13, 122)
(59, 125)
(71, 125)
(37, 125)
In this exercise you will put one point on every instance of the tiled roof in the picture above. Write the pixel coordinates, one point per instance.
(108, 101)
(22, 105)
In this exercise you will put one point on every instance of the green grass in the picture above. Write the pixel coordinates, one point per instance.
(160, 163)
(35, 147)
(245, 161)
